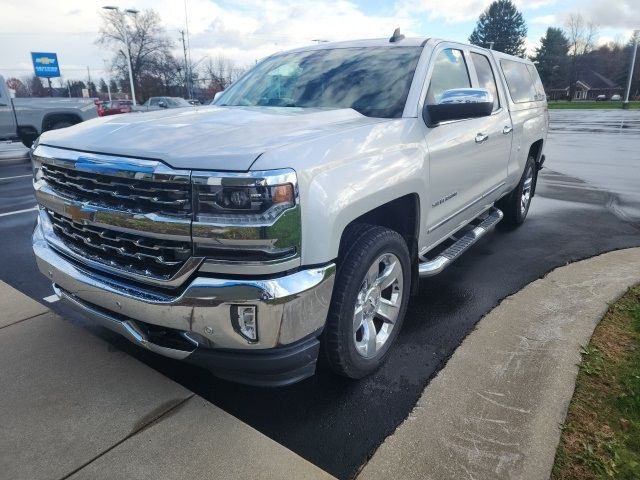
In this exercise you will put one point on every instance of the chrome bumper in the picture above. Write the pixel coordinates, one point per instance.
(289, 308)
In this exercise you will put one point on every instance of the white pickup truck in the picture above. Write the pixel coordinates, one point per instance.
(26, 118)
(296, 216)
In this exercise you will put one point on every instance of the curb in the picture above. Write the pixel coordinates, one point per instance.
(495, 410)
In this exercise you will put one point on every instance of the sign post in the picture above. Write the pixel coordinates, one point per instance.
(45, 65)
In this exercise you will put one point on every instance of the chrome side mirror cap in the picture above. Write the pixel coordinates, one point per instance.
(459, 104)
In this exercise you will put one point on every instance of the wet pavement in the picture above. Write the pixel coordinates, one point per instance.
(587, 203)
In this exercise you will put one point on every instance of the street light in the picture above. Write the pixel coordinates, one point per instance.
(634, 50)
(134, 12)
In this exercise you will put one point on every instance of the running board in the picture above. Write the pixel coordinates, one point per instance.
(444, 259)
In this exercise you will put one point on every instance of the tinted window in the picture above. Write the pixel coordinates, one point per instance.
(536, 79)
(450, 71)
(372, 81)
(519, 81)
(153, 101)
(486, 78)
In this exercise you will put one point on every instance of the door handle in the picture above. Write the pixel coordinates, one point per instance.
(481, 137)
(507, 129)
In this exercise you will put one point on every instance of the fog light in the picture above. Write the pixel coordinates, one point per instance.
(244, 319)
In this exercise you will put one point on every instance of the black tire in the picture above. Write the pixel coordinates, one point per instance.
(363, 245)
(512, 205)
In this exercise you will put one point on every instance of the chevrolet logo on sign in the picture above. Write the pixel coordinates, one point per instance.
(45, 60)
(79, 213)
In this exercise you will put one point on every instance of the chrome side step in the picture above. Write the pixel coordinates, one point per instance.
(444, 259)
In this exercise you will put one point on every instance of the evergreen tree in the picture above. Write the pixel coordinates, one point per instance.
(103, 86)
(113, 85)
(552, 58)
(501, 24)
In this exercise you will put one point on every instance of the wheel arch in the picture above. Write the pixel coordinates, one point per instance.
(51, 119)
(401, 215)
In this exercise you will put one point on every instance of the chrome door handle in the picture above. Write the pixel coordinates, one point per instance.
(481, 137)
(507, 129)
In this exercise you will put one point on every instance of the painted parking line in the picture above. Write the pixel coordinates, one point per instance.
(32, 209)
(16, 176)
(51, 298)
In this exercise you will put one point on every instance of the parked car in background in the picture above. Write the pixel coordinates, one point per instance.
(601, 98)
(115, 107)
(616, 98)
(26, 118)
(295, 216)
(159, 103)
(195, 102)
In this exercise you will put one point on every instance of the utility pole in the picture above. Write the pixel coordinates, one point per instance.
(187, 71)
(89, 80)
(634, 51)
(134, 12)
(186, 27)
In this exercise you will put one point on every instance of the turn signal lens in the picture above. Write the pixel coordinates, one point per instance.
(283, 194)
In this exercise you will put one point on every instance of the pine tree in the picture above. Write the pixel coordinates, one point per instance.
(552, 58)
(501, 24)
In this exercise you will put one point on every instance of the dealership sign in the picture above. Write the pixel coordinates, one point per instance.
(45, 64)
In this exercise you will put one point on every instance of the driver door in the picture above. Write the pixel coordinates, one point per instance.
(468, 158)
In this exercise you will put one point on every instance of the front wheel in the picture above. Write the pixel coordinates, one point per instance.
(515, 206)
(369, 300)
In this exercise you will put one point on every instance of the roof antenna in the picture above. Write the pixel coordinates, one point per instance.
(396, 37)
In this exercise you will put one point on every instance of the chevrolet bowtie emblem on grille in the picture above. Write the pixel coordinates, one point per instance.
(79, 213)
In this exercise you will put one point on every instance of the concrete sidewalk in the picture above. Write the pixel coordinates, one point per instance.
(495, 409)
(71, 406)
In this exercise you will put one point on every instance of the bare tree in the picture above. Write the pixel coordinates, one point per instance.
(148, 44)
(582, 36)
(220, 72)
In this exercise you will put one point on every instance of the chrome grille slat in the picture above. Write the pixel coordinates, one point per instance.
(149, 256)
(172, 198)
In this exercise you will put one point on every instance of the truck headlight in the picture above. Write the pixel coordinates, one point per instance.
(250, 218)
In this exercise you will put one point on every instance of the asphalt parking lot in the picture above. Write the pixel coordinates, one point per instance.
(588, 202)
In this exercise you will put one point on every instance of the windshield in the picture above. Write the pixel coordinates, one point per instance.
(372, 81)
(177, 102)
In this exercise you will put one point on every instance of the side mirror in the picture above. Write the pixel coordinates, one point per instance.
(459, 104)
(162, 104)
(217, 95)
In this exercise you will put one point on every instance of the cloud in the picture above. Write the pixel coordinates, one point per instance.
(545, 20)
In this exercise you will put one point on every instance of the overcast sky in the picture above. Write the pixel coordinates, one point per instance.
(248, 30)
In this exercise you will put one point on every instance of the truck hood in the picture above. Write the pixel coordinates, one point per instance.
(209, 137)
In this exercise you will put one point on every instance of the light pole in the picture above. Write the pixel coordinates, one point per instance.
(634, 50)
(134, 12)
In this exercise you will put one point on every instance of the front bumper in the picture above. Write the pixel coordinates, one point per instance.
(194, 323)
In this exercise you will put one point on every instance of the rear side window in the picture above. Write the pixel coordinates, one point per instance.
(486, 78)
(536, 79)
(450, 71)
(519, 81)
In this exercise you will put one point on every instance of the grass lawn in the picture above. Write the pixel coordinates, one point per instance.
(601, 435)
(582, 104)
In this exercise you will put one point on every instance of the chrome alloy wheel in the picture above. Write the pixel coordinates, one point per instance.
(377, 305)
(526, 190)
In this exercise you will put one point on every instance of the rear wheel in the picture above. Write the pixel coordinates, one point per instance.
(515, 206)
(369, 301)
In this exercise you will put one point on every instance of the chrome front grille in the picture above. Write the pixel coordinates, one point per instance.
(164, 197)
(133, 253)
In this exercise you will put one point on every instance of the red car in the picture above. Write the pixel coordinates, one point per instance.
(116, 106)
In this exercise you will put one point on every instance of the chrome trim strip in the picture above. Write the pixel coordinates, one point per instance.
(117, 166)
(246, 179)
(249, 268)
(466, 207)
